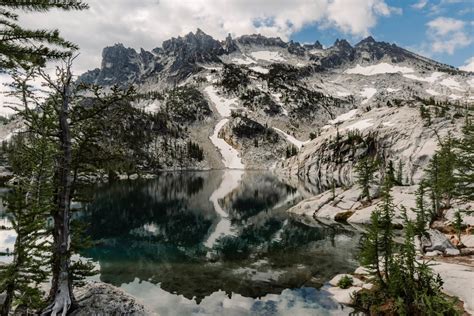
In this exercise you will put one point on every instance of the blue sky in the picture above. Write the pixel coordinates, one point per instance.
(411, 29)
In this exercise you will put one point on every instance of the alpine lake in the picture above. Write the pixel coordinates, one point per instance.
(215, 243)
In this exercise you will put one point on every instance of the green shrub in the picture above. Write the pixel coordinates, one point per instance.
(345, 282)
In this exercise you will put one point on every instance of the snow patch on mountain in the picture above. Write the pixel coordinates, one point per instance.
(259, 69)
(382, 68)
(230, 156)
(368, 93)
(432, 92)
(224, 106)
(292, 139)
(242, 61)
(344, 117)
(267, 56)
(392, 90)
(451, 83)
(431, 79)
(343, 94)
(360, 125)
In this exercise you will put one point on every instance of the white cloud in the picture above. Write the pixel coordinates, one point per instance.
(146, 23)
(357, 16)
(448, 34)
(420, 4)
(468, 65)
(443, 26)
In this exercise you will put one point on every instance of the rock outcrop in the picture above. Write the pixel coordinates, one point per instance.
(96, 298)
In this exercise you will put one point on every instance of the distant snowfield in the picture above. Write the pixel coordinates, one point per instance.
(224, 106)
(230, 181)
(344, 117)
(431, 79)
(432, 92)
(368, 93)
(230, 156)
(242, 61)
(343, 94)
(360, 125)
(260, 69)
(392, 90)
(382, 68)
(292, 139)
(267, 56)
(451, 83)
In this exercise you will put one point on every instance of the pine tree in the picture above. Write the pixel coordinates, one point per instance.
(434, 186)
(464, 174)
(29, 203)
(24, 47)
(403, 284)
(378, 245)
(441, 178)
(74, 132)
(457, 224)
(365, 172)
(447, 162)
(390, 173)
(421, 213)
(370, 251)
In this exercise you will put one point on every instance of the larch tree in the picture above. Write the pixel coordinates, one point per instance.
(464, 173)
(72, 119)
(29, 203)
(365, 175)
(22, 47)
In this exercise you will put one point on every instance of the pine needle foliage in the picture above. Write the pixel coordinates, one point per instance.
(24, 47)
(402, 284)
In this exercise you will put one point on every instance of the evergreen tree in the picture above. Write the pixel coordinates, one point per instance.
(378, 243)
(74, 132)
(399, 179)
(464, 174)
(441, 176)
(403, 286)
(447, 163)
(390, 173)
(365, 171)
(421, 213)
(29, 205)
(434, 187)
(458, 224)
(24, 47)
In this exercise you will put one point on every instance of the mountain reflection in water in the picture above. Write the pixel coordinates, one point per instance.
(197, 242)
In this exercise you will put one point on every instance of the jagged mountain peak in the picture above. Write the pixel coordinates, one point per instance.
(260, 40)
(342, 44)
(182, 56)
(367, 40)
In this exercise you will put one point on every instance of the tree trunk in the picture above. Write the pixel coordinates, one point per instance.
(62, 298)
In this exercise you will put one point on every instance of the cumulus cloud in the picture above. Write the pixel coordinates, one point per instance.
(468, 65)
(357, 17)
(147, 23)
(448, 34)
(420, 4)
